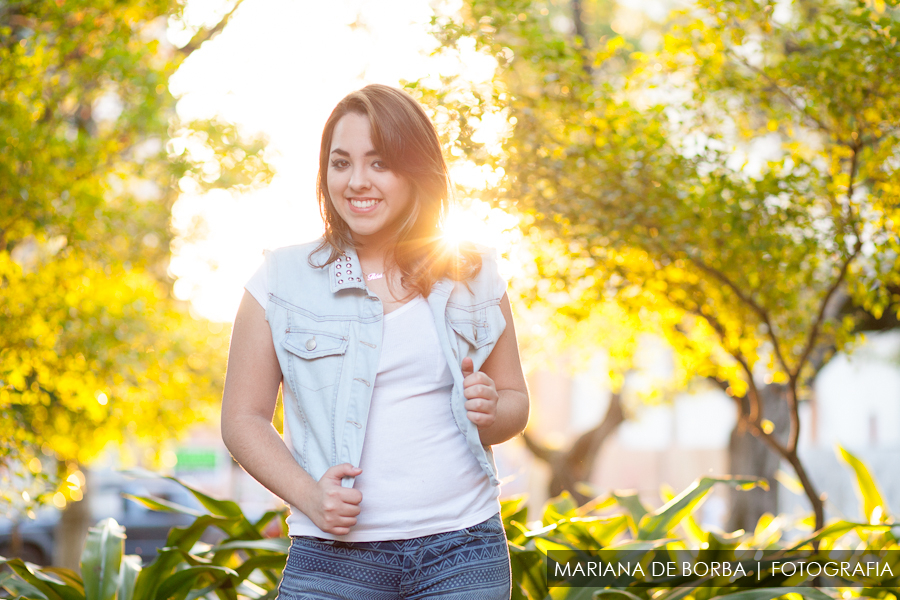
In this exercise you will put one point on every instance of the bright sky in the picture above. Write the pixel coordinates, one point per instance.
(280, 67)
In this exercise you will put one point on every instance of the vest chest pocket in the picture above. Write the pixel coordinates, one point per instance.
(474, 324)
(318, 353)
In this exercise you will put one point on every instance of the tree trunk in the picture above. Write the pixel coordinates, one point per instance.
(573, 466)
(72, 529)
(748, 455)
(581, 32)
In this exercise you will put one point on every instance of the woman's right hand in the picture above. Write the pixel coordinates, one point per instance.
(332, 507)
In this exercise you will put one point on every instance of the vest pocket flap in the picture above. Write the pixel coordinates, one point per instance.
(307, 343)
(470, 325)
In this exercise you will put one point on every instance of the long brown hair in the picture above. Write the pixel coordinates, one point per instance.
(405, 137)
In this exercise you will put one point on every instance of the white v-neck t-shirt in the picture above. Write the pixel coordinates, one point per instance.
(418, 475)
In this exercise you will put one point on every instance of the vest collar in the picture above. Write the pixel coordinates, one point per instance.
(345, 272)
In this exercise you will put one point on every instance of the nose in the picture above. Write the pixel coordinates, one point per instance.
(359, 179)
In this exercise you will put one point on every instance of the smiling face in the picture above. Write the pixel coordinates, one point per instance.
(367, 194)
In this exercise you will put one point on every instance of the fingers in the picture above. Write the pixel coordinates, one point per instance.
(481, 412)
(481, 394)
(476, 378)
(480, 390)
(338, 506)
(338, 472)
(468, 367)
(337, 524)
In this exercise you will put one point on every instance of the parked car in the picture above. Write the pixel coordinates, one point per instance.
(145, 529)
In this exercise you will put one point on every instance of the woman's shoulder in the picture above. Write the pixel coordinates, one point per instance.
(308, 253)
(487, 283)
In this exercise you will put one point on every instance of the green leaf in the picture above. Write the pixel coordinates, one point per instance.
(101, 559)
(559, 508)
(128, 574)
(179, 584)
(19, 587)
(528, 571)
(632, 504)
(874, 507)
(264, 520)
(657, 524)
(222, 508)
(186, 537)
(169, 559)
(614, 593)
(837, 529)
(68, 576)
(162, 505)
(281, 545)
(769, 593)
(261, 562)
(47, 584)
(515, 508)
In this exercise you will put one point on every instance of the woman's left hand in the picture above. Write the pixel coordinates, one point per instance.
(481, 395)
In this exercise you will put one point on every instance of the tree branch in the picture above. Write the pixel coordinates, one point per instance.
(587, 446)
(756, 409)
(791, 100)
(761, 312)
(820, 317)
(205, 34)
(539, 450)
(581, 31)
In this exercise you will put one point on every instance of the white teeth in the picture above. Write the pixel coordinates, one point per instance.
(363, 203)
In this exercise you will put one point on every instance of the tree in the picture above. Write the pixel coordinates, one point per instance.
(646, 166)
(94, 347)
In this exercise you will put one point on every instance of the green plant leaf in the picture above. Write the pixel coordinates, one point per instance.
(68, 576)
(128, 574)
(46, 583)
(834, 531)
(514, 509)
(528, 571)
(151, 576)
(264, 520)
(180, 583)
(19, 587)
(559, 508)
(874, 507)
(769, 593)
(161, 505)
(632, 505)
(101, 560)
(281, 545)
(186, 537)
(261, 562)
(222, 508)
(657, 524)
(613, 593)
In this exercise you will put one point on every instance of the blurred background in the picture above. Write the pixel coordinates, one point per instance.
(696, 204)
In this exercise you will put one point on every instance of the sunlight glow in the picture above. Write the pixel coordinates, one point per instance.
(262, 76)
(478, 223)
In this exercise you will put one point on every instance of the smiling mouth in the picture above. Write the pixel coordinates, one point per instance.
(364, 202)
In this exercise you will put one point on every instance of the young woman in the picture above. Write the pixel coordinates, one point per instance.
(399, 368)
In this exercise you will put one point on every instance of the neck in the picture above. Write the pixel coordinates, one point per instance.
(373, 254)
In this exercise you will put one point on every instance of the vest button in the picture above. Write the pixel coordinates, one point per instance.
(311, 344)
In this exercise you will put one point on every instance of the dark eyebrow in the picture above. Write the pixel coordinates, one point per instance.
(347, 154)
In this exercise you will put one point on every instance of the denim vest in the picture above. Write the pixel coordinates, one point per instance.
(327, 330)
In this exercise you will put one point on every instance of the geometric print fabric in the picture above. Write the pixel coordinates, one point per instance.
(469, 564)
